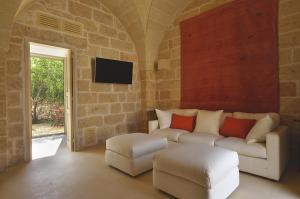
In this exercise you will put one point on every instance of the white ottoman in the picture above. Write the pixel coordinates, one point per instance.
(196, 171)
(133, 153)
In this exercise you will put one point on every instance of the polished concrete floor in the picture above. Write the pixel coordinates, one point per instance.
(84, 175)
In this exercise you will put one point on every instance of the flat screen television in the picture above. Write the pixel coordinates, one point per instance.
(113, 71)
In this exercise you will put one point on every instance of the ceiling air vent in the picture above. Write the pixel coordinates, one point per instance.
(72, 28)
(48, 21)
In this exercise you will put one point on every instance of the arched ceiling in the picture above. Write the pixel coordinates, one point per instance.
(162, 14)
(143, 10)
(145, 20)
(8, 10)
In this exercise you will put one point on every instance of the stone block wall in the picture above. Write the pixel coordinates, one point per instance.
(289, 65)
(103, 110)
(3, 131)
(148, 96)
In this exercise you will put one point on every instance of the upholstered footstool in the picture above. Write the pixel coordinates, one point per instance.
(133, 153)
(196, 171)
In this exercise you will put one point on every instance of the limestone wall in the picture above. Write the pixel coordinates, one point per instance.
(168, 80)
(3, 132)
(103, 110)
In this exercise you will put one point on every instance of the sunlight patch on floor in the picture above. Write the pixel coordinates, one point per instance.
(45, 146)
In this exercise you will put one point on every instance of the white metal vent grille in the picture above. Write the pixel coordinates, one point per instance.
(48, 21)
(72, 28)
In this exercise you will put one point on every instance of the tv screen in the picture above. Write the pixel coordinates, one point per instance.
(113, 71)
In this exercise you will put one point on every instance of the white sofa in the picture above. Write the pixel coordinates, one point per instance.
(267, 159)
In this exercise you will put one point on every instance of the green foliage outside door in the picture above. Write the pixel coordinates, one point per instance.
(47, 81)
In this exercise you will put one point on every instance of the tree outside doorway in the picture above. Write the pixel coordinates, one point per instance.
(47, 92)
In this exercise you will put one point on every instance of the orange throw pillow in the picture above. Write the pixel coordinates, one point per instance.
(234, 127)
(182, 122)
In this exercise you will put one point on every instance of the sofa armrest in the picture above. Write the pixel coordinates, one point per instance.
(277, 143)
(152, 125)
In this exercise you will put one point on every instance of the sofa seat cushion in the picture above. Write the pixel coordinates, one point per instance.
(135, 145)
(257, 150)
(170, 134)
(199, 138)
(199, 163)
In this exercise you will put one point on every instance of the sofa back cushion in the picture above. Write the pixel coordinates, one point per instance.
(183, 122)
(208, 121)
(164, 118)
(258, 116)
(223, 116)
(185, 112)
(234, 127)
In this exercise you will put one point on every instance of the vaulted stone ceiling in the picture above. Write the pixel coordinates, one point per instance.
(8, 10)
(162, 13)
(145, 20)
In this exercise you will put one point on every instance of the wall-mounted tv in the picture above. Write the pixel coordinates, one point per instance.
(113, 71)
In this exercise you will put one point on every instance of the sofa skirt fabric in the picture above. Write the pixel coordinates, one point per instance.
(185, 189)
(130, 166)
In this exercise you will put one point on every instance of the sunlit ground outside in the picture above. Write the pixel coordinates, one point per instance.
(46, 128)
(46, 146)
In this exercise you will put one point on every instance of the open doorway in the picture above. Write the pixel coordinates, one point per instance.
(50, 99)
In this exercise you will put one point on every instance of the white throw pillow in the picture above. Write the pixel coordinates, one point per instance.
(164, 118)
(208, 121)
(260, 129)
(258, 116)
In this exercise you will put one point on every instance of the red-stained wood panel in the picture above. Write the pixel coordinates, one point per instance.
(229, 58)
